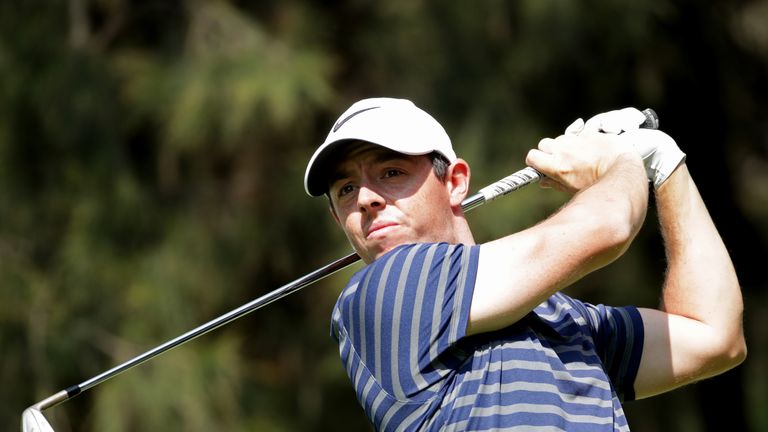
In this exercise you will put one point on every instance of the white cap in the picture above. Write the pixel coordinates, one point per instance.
(396, 124)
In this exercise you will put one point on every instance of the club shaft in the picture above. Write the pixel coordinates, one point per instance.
(228, 317)
(500, 188)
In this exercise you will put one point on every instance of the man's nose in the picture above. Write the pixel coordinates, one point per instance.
(369, 199)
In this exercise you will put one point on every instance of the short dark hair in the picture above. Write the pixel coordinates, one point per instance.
(440, 165)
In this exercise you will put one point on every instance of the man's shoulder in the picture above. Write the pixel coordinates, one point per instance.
(412, 268)
(407, 252)
(416, 258)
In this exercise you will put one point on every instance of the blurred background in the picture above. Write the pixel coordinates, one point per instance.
(151, 166)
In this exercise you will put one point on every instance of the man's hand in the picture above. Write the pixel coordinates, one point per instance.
(660, 154)
(573, 162)
(611, 122)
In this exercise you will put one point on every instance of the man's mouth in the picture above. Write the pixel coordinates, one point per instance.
(379, 228)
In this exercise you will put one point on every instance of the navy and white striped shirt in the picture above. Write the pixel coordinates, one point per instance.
(400, 324)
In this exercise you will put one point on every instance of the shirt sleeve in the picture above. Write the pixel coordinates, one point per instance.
(618, 335)
(408, 309)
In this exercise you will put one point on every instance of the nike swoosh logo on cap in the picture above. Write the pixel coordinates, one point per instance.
(341, 122)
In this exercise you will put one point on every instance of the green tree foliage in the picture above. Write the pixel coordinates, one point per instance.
(151, 166)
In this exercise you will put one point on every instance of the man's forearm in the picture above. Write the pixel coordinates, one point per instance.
(701, 282)
(519, 271)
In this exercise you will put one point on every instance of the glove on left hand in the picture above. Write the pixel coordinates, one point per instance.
(659, 152)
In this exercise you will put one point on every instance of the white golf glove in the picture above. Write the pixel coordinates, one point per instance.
(659, 152)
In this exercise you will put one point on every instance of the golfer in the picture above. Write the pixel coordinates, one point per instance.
(437, 332)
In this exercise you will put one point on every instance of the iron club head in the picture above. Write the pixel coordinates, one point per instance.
(32, 420)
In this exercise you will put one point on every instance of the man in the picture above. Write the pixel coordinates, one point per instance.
(439, 333)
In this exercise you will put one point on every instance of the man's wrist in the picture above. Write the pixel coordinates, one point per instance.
(630, 162)
(679, 174)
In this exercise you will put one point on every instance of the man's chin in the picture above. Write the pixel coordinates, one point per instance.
(385, 249)
(373, 250)
(371, 254)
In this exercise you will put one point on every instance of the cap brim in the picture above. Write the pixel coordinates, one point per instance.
(316, 178)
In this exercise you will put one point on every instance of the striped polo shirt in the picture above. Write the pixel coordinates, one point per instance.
(400, 324)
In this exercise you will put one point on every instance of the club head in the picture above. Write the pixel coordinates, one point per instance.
(32, 420)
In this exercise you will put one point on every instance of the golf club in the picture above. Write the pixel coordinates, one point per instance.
(32, 417)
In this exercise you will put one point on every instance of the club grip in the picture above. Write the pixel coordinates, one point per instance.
(651, 119)
(529, 175)
(510, 183)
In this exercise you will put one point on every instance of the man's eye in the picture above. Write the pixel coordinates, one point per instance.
(392, 173)
(345, 189)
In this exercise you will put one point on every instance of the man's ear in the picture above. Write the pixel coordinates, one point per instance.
(457, 182)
